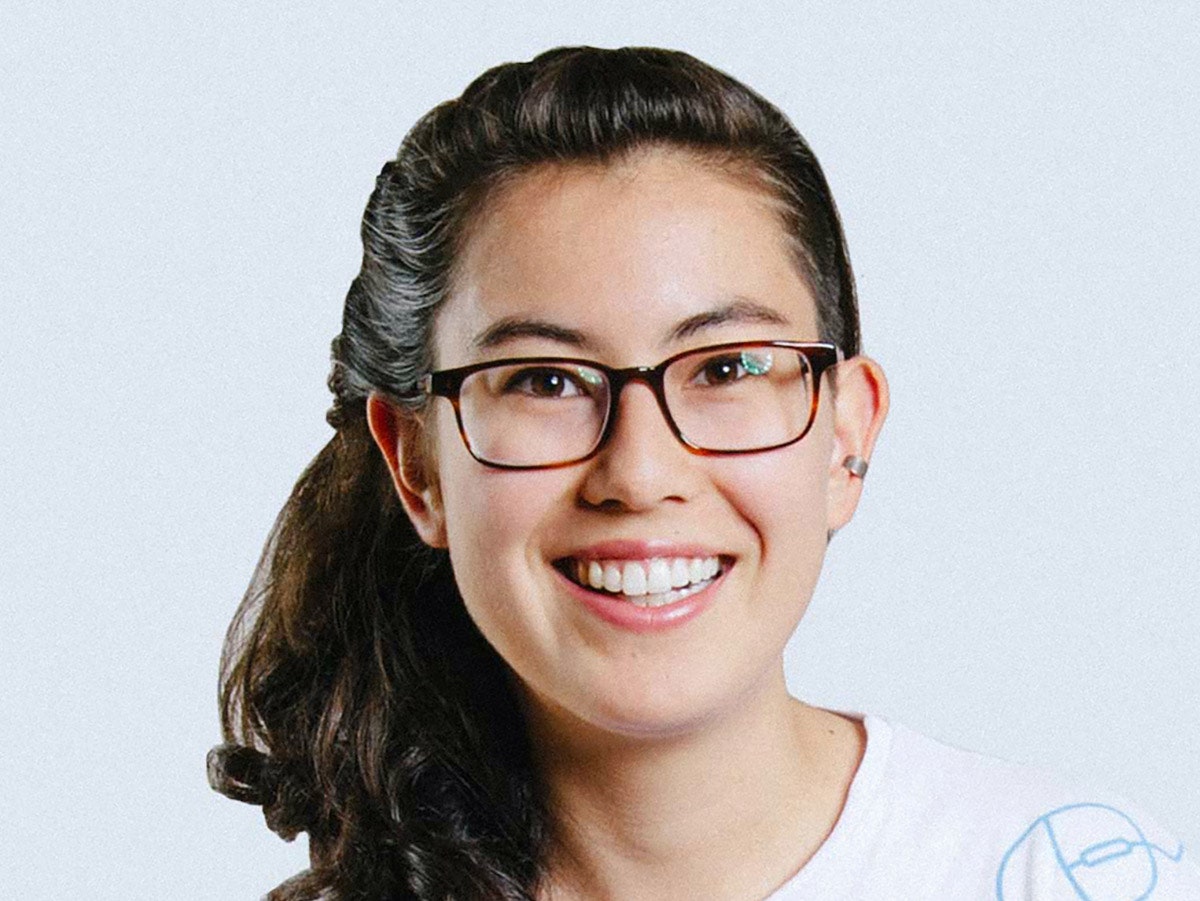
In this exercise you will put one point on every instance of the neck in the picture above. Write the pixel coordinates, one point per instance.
(730, 809)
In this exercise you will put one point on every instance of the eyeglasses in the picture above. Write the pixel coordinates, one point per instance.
(545, 412)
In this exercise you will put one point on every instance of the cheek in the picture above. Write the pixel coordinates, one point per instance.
(493, 519)
(784, 496)
(494, 507)
(485, 531)
(786, 486)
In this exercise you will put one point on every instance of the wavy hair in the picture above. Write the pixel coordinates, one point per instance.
(359, 703)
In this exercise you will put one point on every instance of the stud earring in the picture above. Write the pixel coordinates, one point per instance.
(855, 465)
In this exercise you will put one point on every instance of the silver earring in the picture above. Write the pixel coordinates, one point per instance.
(856, 465)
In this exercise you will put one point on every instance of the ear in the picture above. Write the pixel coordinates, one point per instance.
(860, 406)
(400, 435)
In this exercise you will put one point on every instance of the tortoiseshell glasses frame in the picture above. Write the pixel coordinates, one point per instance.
(818, 357)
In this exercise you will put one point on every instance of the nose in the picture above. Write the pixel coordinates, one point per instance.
(642, 464)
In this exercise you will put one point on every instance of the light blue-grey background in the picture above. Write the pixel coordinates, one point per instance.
(180, 188)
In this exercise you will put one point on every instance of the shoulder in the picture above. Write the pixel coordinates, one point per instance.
(1024, 832)
(945, 783)
(924, 819)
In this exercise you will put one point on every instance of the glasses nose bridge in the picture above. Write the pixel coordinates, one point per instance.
(652, 378)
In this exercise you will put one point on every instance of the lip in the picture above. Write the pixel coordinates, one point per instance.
(630, 617)
(625, 549)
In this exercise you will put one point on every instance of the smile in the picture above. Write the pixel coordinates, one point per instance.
(652, 582)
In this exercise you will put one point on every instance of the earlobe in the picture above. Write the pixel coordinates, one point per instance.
(855, 465)
(398, 434)
(859, 411)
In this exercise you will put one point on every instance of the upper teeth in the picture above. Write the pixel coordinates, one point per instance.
(640, 577)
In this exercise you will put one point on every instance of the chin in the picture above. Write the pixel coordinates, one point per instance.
(669, 710)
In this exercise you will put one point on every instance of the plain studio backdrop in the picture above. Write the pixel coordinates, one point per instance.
(180, 191)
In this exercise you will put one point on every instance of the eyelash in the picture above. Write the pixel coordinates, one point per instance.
(525, 376)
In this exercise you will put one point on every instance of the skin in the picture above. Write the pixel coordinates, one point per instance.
(677, 764)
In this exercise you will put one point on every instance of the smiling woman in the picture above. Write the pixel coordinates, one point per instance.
(519, 631)
(647, 468)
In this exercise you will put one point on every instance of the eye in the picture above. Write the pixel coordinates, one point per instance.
(719, 371)
(547, 381)
(729, 368)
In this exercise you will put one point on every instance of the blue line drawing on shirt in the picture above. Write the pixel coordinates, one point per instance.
(1121, 866)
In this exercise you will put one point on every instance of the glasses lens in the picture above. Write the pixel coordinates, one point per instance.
(740, 398)
(533, 413)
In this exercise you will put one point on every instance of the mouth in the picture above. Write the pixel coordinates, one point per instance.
(650, 582)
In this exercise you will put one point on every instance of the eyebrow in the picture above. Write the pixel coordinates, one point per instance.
(739, 310)
(511, 328)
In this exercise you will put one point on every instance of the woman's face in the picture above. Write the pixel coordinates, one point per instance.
(607, 263)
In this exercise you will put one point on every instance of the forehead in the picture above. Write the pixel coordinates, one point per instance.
(620, 255)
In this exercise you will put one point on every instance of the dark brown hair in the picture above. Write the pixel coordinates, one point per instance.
(359, 702)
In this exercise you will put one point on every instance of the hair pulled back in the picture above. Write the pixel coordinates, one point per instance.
(359, 702)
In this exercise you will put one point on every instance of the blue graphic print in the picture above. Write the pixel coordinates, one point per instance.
(1096, 853)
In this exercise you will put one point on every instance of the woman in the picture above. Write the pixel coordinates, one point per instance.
(519, 631)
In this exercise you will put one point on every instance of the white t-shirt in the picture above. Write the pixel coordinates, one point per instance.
(924, 821)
